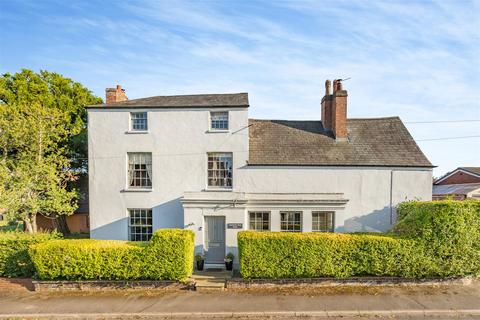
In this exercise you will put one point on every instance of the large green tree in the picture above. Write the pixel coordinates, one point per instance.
(42, 144)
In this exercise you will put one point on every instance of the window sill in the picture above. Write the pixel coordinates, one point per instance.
(212, 189)
(137, 132)
(217, 131)
(137, 190)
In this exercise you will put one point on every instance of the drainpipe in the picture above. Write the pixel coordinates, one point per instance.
(391, 197)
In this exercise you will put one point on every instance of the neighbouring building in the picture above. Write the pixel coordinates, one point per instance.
(459, 184)
(198, 162)
(79, 221)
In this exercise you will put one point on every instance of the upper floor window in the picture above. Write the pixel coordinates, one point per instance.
(219, 120)
(140, 224)
(140, 170)
(260, 221)
(139, 121)
(291, 221)
(220, 170)
(322, 221)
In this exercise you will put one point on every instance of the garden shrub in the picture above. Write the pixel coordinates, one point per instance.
(304, 255)
(14, 258)
(87, 259)
(431, 239)
(449, 230)
(167, 256)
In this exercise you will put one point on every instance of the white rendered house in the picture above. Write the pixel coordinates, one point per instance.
(198, 162)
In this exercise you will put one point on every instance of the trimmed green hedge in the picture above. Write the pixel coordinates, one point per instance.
(167, 256)
(305, 255)
(431, 239)
(449, 230)
(14, 258)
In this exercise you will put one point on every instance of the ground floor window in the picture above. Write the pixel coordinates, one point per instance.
(322, 221)
(291, 221)
(260, 221)
(140, 224)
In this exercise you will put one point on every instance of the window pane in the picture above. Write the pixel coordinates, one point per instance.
(219, 120)
(291, 221)
(220, 169)
(140, 226)
(322, 221)
(140, 170)
(139, 121)
(259, 221)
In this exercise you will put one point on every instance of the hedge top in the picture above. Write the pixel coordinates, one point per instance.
(39, 236)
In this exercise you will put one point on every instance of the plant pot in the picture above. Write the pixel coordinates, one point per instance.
(229, 265)
(200, 264)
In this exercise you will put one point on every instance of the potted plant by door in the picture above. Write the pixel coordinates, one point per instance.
(200, 260)
(229, 261)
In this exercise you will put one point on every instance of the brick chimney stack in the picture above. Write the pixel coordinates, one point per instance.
(115, 94)
(334, 109)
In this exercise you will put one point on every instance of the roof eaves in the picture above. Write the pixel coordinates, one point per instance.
(449, 174)
(469, 170)
(340, 165)
(114, 106)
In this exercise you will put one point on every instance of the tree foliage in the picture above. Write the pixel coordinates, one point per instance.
(42, 143)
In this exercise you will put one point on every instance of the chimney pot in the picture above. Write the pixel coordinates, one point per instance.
(328, 86)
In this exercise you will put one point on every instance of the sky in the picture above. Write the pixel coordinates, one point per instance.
(419, 60)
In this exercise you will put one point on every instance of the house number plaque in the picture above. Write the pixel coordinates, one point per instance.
(234, 225)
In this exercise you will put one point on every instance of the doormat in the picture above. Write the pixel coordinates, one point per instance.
(215, 269)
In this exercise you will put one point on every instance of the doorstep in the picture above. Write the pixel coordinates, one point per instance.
(214, 266)
(210, 280)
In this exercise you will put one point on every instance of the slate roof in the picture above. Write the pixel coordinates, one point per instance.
(371, 142)
(183, 101)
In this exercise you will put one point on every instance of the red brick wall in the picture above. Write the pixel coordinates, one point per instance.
(76, 223)
(460, 177)
(327, 112)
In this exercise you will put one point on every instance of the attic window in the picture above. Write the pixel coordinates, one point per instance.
(219, 121)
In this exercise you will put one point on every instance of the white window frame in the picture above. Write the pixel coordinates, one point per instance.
(149, 226)
(148, 170)
(221, 187)
(132, 129)
(289, 221)
(210, 121)
(316, 224)
(261, 223)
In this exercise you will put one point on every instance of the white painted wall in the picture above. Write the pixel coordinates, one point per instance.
(178, 140)
(367, 189)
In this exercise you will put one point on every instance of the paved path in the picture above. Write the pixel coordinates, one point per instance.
(389, 303)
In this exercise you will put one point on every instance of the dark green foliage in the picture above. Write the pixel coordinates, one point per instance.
(167, 256)
(449, 230)
(14, 258)
(431, 239)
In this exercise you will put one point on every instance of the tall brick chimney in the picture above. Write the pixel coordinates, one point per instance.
(113, 95)
(334, 109)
